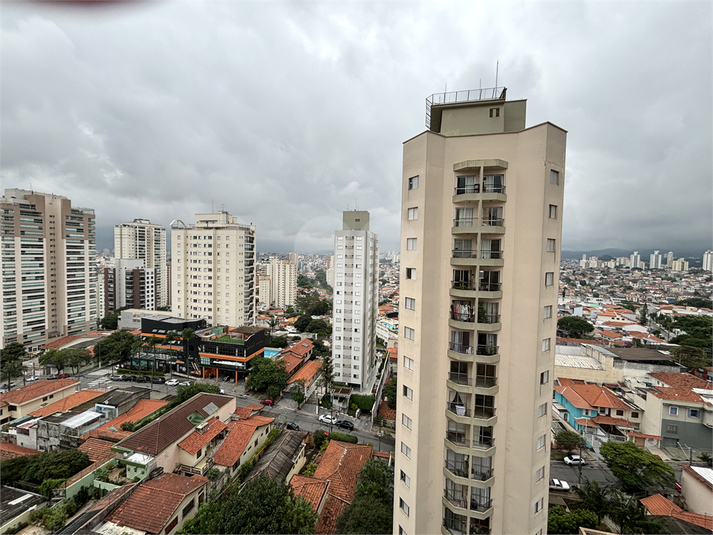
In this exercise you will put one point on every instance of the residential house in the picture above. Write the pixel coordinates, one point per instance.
(159, 506)
(22, 401)
(658, 505)
(112, 430)
(306, 378)
(101, 456)
(158, 442)
(678, 407)
(10, 451)
(243, 439)
(697, 490)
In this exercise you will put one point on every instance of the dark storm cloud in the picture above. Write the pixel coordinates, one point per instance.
(285, 114)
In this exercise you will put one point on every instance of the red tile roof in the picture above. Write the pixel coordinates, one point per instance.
(173, 426)
(36, 390)
(238, 439)
(340, 464)
(164, 494)
(393, 353)
(680, 387)
(589, 396)
(310, 488)
(112, 429)
(302, 347)
(68, 403)
(307, 372)
(99, 452)
(290, 361)
(333, 509)
(200, 438)
(385, 412)
(245, 412)
(61, 341)
(643, 435)
(610, 420)
(657, 505)
(10, 451)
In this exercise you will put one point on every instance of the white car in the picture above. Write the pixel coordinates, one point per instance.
(172, 382)
(184, 383)
(31, 378)
(573, 460)
(327, 418)
(558, 484)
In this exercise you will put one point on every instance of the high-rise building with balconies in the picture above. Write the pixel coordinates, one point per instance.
(356, 301)
(49, 278)
(143, 240)
(655, 260)
(481, 225)
(213, 270)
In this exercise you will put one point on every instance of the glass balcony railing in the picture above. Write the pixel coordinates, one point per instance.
(487, 350)
(463, 316)
(457, 468)
(458, 409)
(468, 253)
(461, 348)
(456, 498)
(460, 378)
(458, 438)
(471, 188)
(489, 318)
(483, 443)
(496, 255)
(481, 504)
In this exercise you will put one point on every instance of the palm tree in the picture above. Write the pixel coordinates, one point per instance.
(595, 498)
(150, 345)
(171, 336)
(187, 334)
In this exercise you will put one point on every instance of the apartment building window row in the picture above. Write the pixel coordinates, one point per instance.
(405, 479)
(541, 442)
(552, 211)
(545, 377)
(546, 344)
(554, 177)
(549, 278)
(539, 504)
(411, 273)
(551, 242)
(542, 410)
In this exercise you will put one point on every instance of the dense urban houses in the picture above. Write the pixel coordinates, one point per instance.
(49, 279)
(481, 221)
(213, 270)
(356, 298)
(143, 240)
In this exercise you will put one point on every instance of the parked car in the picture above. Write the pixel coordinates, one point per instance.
(143, 379)
(184, 383)
(172, 382)
(158, 380)
(345, 424)
(573, 460)
(327, 419)
(292, 426)
(558, 484)
(63, 376)
(31, 378)
(267, 401)
(118, 377)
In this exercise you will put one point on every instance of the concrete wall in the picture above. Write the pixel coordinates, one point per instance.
(698, 496)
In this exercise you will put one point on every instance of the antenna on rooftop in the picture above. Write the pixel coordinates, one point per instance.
(497, 65)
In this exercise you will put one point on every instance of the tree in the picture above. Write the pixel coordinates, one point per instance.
(267, 373)
(302, 322)
(569, 440)
(320, 327)
(595, 498)
(630, 515)
(371, 509)
(35, 469)
(303, 281)
(299, 517)
(574, 327)
(635, 468)
(119, 345)
(54, 357)
(643, 315)
(560, 521)
(184, 393)
(390, 392)
(11, 358)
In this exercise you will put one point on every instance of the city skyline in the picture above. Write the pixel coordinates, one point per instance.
(120, 109)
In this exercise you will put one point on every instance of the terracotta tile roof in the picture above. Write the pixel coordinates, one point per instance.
(61, 341)
(290, 361)
(245, 412)
(610, 334)
(385, 412)
(696, 473)
(142, 409)
(610, 420)
(99, 452)
(588, 396)
(587, 422)
(10, 451)
(333, 509)
(643, 435)
(68, 403)
(302, 347)
(680, 387)
(307, 372)
(238, 439)
(36, 390)
(164, 494)
(340, 464)
(579, 341)
(171, 427)
(196, 440)
(657, 505)
(393, 353)
(310, 488)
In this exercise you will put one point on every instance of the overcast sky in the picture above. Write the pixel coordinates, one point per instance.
(287, 113)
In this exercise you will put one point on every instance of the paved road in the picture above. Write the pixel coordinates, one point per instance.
(595, 470)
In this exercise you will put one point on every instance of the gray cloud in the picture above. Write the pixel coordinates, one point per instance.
(285, 114)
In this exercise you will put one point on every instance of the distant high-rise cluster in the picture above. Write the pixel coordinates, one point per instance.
(278, 285)
(48, 257)
(213, 270)
(356, 301)
(708, 261)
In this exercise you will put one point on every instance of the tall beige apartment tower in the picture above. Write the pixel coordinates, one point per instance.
(48, 273)
(213, 270)
(142, 240)
(481, 223)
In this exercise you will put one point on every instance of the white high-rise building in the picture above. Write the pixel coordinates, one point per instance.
(669, 258)
(635, 260)
(481, 225)
(141, 239)
(127, 284)
(356, 301)
(213, 270)
(48, 268)
(280, 282)
(655, 260)
(708, 261)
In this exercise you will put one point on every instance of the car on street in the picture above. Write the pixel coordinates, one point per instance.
(267, 401)
(117, 377)
(158, 380)
(292, 426)
(63, 376)
(558, 484)
(327, 419)
(184, 383)
(574, 460)
(345, 424)
(172, 382)
(31, 378)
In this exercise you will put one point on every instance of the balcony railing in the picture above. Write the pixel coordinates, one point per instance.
(493, 222)
(493, 188)
(472, 188)
(481, 474)
(465, 222)
(484, 443)
(456, 524)
(456, 499)
(465, 253)
(485, 381)
(463, 316)
(487, 350)
(481, 504)
(457, 438)
(489, 318)
(460, 378)
(491, 254)
(458, 409)
(460, 348)
(482, 286)
(483, 412)
(457, 468)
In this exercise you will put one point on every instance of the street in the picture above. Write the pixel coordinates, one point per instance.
(594, 470)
